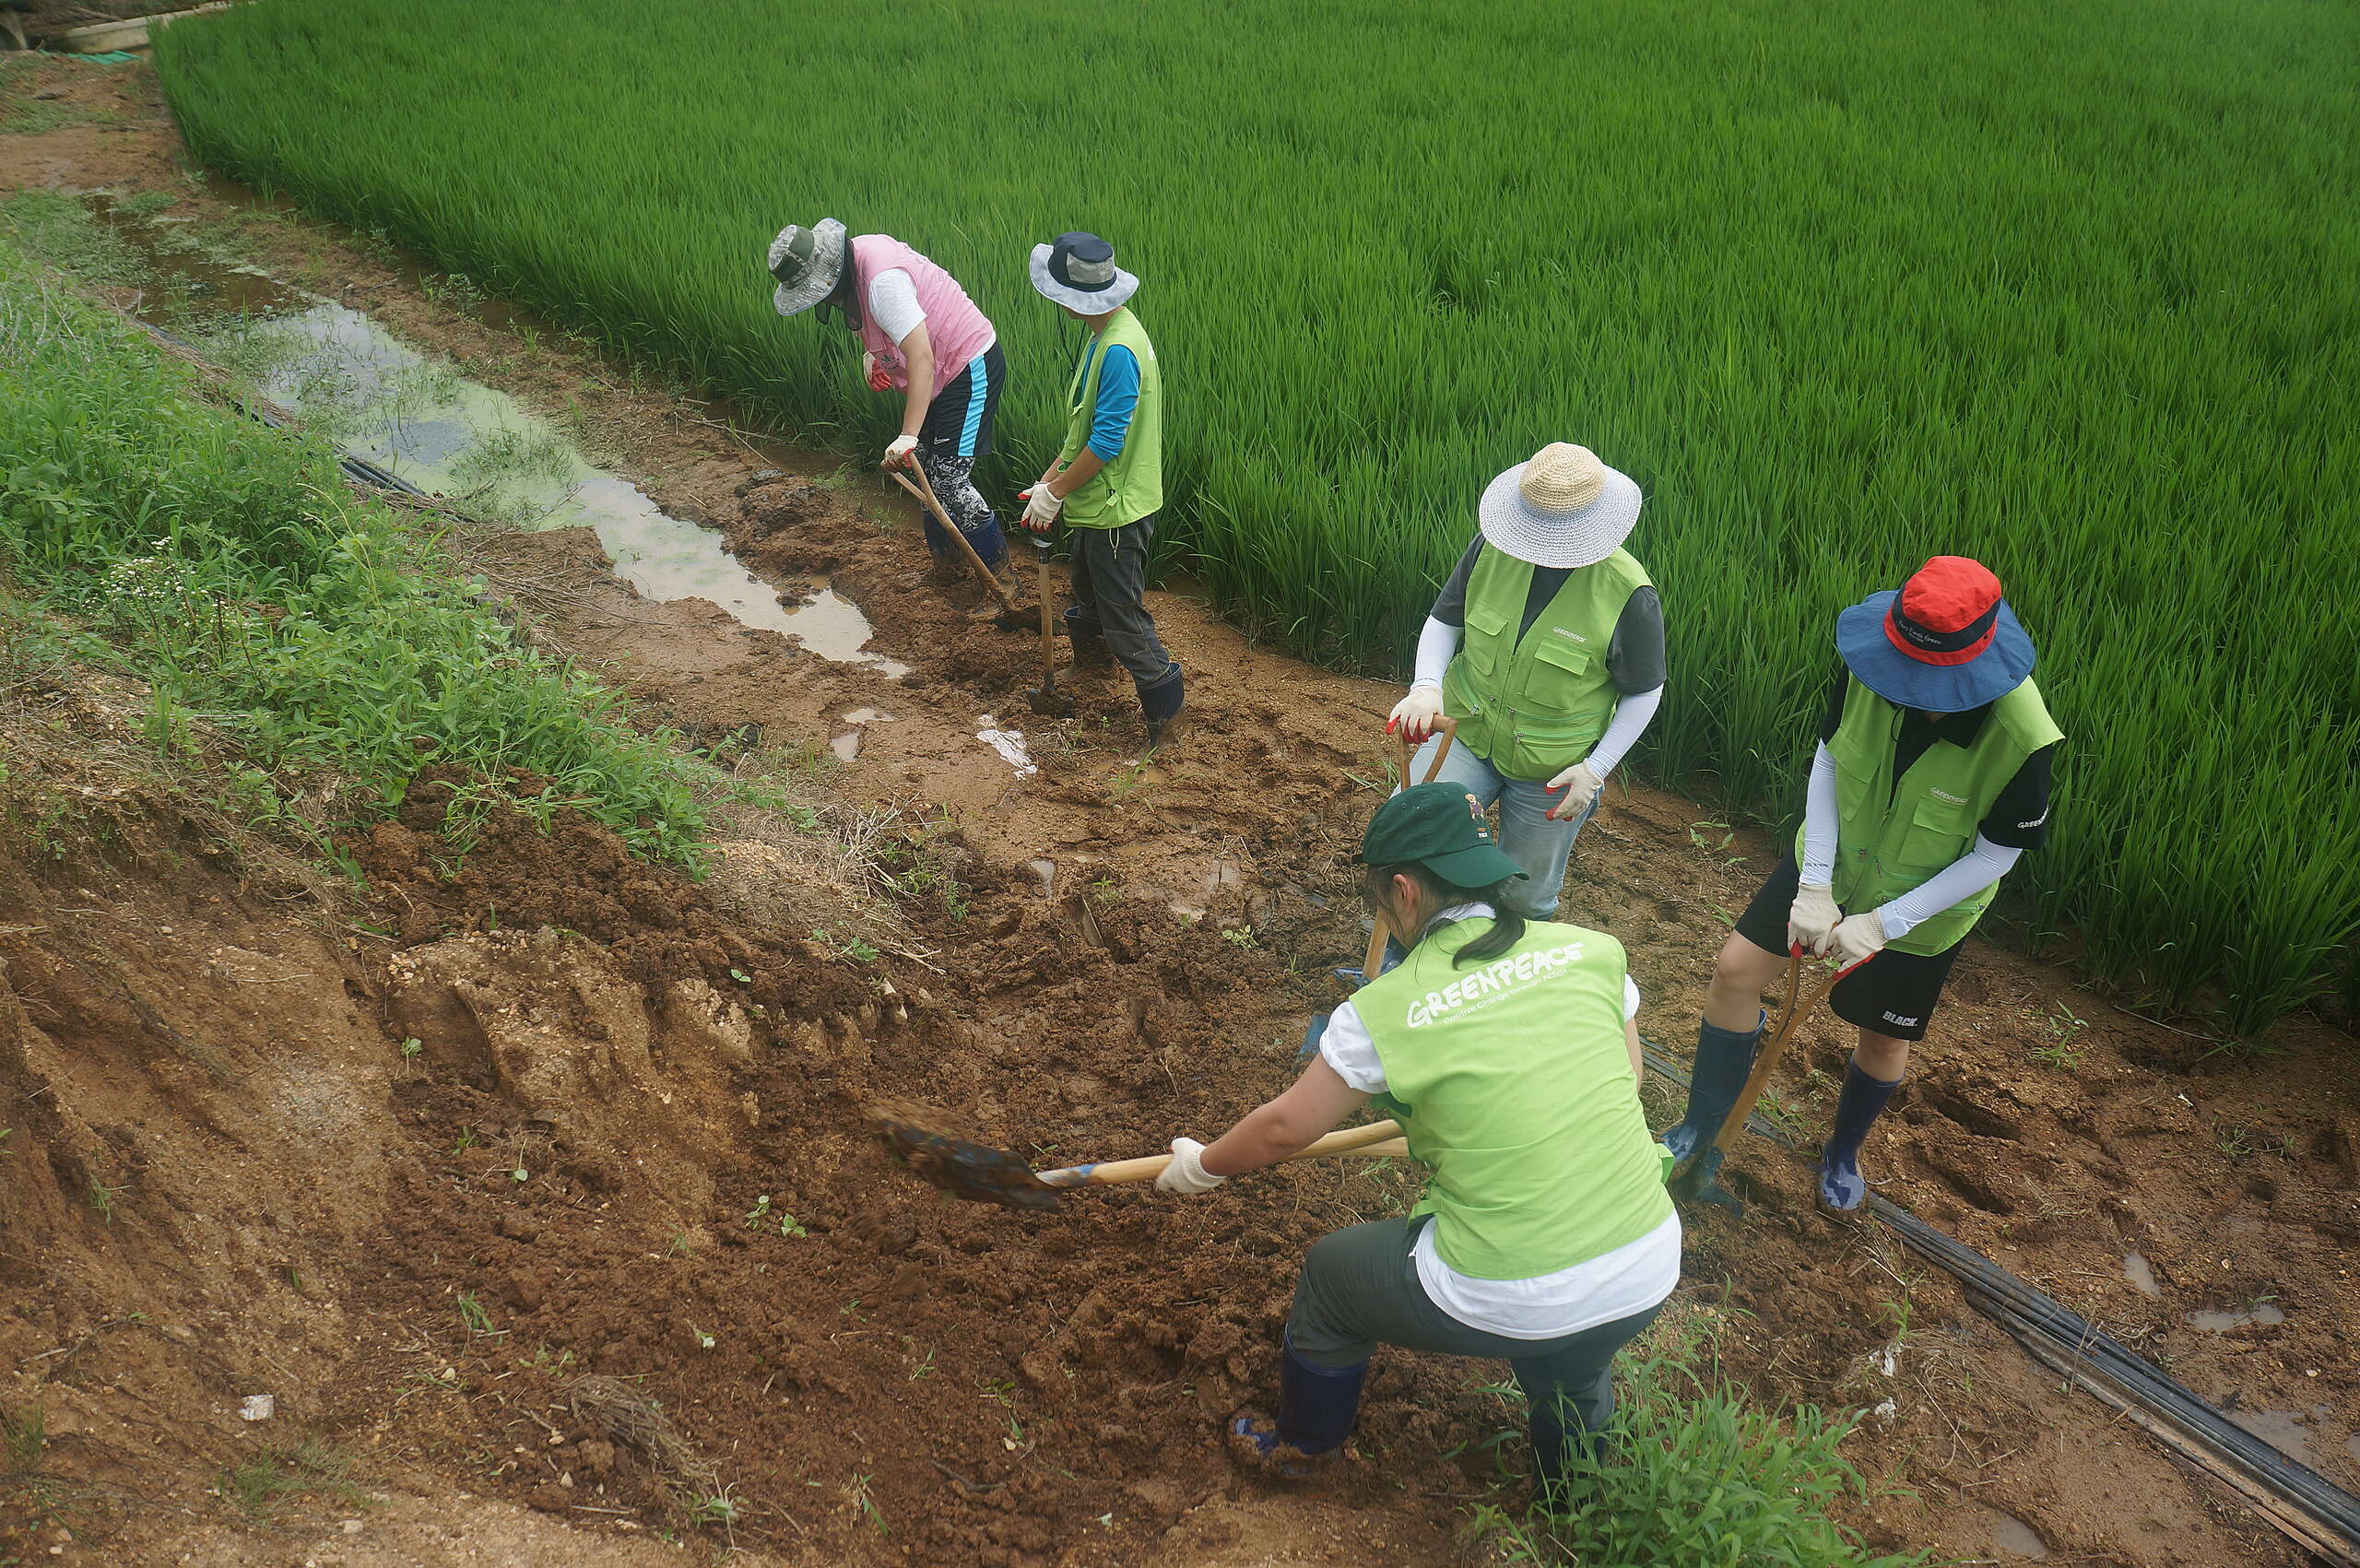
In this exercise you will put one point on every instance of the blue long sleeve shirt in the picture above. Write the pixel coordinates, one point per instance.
(1118, 398)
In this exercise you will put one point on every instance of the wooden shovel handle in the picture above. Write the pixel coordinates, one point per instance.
(1447, 727)
(1377, 1137)
(926, 498)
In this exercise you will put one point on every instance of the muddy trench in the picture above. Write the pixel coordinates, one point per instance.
(420, 1170)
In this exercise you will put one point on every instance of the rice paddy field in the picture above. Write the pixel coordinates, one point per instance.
(2067, 285)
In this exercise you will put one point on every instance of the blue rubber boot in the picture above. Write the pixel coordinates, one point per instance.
(986, 537)
(1841, 1186)
(1161, 700)
(1723, 1058)
(1318, 1406)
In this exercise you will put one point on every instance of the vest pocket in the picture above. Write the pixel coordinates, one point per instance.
(1939, 833)
(1485, 642)
(1569, 684)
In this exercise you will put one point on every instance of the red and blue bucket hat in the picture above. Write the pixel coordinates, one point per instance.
(1945, 642)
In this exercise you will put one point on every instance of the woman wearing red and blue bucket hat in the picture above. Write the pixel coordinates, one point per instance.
(1930, 781)
(920, 335)
(1507, 1050)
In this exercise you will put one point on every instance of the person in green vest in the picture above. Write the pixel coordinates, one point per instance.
(1546, 646)
(1107, 480)
(1930, 781)
(1508, 1050)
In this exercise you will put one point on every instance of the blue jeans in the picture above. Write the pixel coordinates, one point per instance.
(1529, 839)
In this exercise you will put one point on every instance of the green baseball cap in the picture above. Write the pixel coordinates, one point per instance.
(1437, 826)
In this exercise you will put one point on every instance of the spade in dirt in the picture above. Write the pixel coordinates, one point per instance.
(1697, 1178)
(981, 1173)
(1046, 698)
(1007, 617)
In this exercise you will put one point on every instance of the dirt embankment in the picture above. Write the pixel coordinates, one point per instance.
(576, 1117)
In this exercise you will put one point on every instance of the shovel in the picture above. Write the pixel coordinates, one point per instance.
(1694, 1178)
(1046, 698)
(1006, 617)
(982, 1174)
(1447, 727)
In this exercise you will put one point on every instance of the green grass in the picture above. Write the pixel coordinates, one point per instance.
(1696, 1475)
(266, 607)
(2069, 284)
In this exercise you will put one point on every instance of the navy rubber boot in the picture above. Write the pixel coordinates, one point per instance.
(1723, 1058)
(990, 541)
(1841, 1186)
(1161, 700)
(1318, 1406)
(1312, 1032)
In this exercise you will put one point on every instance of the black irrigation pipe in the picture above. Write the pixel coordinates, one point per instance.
(2318, 1514)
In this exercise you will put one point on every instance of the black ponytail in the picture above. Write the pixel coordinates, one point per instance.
(1507, 925)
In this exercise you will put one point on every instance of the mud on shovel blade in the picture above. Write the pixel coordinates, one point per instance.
(1046, 698)
(1008, 618)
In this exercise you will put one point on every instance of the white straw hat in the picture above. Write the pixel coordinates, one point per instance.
(807, 263)
(1562, 508)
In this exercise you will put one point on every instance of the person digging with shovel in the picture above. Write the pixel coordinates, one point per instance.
(1507, 1049)
(922, 335)
(1930, 781)
(1546, 646)
(1107, 480)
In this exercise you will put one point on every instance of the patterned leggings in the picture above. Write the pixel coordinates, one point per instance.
(955, 486)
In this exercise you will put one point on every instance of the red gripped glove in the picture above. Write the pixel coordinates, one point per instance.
(879, 379)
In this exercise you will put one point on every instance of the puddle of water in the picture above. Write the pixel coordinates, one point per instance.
(2216, 1322)
(2289, 1432)
(2013, 1538)
(2135, 1269)
(846, 746)
(419, 419)
(870, 716)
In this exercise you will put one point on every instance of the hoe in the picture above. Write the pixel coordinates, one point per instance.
(982, 1174)
(1007, 617)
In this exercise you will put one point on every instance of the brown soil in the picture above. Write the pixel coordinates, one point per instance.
(293, 1205)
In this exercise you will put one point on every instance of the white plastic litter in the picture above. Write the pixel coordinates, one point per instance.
(257, 1408)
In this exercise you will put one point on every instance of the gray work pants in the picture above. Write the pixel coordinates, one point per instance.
(1109, 594)
(1360, 1289)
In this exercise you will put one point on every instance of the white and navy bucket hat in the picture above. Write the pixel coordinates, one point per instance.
(1078, 271)
(807, 263)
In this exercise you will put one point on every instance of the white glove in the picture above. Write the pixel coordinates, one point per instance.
(1186, 1173)
(1414, 715)
(1041, 508)
(1859, 939)
(897, 454)
(1581, 783)
(1812, 921)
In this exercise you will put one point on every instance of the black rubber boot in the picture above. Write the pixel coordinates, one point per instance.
(1161, 700)
(1723, 1058)
(1089, 640)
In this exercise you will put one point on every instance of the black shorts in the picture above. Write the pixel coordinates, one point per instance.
(959, 421)
(1894, 994)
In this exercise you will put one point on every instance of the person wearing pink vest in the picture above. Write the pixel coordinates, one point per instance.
(922, 336)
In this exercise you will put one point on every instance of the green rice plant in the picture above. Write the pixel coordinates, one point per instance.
(2067, 285)
(229, 569)
(1693, 1473)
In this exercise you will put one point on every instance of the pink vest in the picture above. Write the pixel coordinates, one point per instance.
(958, 330)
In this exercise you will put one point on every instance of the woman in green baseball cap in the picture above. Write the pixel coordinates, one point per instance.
(1507, 1049)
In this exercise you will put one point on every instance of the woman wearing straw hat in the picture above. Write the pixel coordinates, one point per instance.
(1509, 1053)
(1546, 646)
(1930, 781)
(921, 335)
(1107, 480)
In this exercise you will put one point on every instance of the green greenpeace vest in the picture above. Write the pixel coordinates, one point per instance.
(1131, 487)
(1890, 839)
(1534, 706)
(1512, 1081)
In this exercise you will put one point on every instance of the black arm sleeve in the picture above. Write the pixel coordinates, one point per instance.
(2020, 818)
(1450, 604)
(1834, 714)
(1635, 659)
